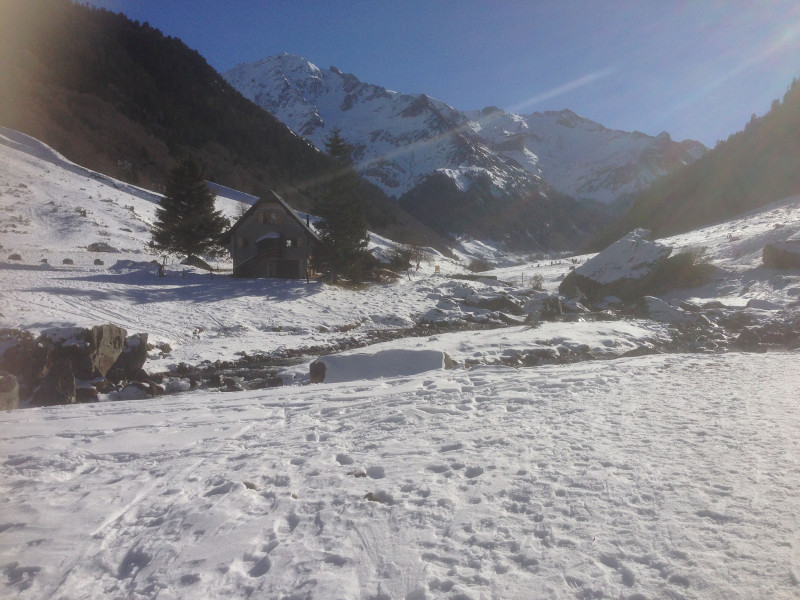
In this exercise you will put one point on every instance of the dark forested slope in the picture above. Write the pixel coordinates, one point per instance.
(122, 98)
(750, 169)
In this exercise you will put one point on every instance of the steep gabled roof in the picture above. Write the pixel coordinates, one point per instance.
(271, 198)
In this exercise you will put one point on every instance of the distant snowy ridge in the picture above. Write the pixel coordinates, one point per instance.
(400, 139)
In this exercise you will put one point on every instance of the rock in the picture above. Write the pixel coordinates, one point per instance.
(92, 352)
(748, 339)
(761, 304)
(97, 261)
(58, 387)
(623, 269)
(15, 257)
(782, 255)
(24, 358)
(67, 261)
(104, 386)
(641, 351)
(131, 360)
(9, 392)
(135, 391)
(494, 303)
(86, 394)
(660, 311)
(101, 247)
(317, 371)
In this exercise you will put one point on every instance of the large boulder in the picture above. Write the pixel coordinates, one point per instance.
(58, 387)
(624, 269)
(22, 355)
(783, 255)
(129, 363)
(91, 352)
(384, 363)
(9, 392)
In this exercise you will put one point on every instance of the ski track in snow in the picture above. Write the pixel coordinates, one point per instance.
(573, 481)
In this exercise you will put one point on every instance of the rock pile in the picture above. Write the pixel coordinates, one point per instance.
(73, 364)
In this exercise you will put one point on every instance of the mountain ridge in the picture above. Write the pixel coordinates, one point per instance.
(400, 139)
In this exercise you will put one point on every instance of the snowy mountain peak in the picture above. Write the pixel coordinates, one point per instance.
(401, 139)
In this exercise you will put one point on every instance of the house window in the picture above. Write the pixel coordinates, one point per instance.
(241, 241)
(274, 217)
(260, 218)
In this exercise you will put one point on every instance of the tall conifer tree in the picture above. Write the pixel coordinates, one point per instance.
(343, 228)
(186, 220)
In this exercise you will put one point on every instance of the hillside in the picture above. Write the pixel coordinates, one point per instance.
(749, 170)
(123, 99)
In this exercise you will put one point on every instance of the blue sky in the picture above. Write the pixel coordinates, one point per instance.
(696, 69)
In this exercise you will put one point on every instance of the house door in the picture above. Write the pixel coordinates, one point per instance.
(288, 269)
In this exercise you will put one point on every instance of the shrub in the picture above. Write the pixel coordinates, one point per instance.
(536, 282)
(685, 270)
(479, 265)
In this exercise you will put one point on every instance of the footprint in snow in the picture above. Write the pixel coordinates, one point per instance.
(344, 459)
(473, 472)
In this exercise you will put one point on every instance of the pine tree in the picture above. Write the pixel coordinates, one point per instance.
(343, 228)
(186, 221)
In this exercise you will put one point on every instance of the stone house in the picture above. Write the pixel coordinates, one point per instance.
(271, 240)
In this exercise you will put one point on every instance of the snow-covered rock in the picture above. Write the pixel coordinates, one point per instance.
(384, 363)
(658, 310)
(617, 269)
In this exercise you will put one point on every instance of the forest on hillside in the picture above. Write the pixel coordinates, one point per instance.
(121, 98)
(750, 169)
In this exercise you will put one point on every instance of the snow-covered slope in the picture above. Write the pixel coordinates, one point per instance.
(401, 138)
(582, 158)
(666, 476)
(567, 482)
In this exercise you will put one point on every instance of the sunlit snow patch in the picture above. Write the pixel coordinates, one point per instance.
(386, 363)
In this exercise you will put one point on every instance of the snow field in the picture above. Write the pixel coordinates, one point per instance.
(649, 477)
(668, 476)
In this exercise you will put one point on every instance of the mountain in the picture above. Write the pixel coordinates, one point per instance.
(751, 169)
(402, 139)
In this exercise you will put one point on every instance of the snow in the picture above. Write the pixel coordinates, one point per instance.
(662, 476)
(631, 257)
(488, 483)
(380, 364)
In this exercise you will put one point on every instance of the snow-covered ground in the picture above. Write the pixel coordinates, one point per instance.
(667, 476)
